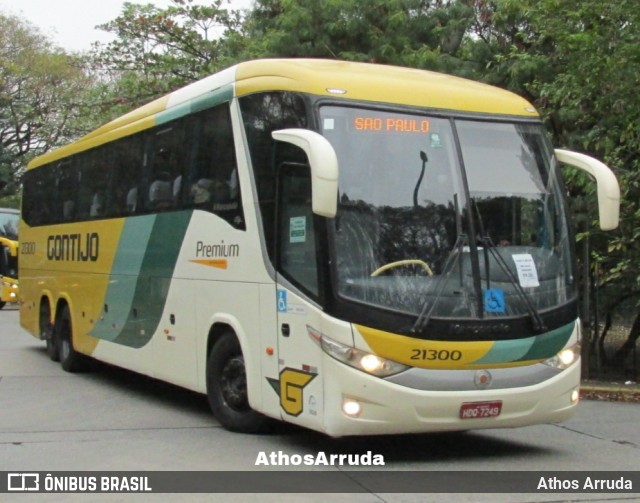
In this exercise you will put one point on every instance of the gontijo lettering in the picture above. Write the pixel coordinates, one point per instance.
(74, 247)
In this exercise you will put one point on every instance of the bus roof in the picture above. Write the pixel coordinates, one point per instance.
(379, 83)
(337, 79)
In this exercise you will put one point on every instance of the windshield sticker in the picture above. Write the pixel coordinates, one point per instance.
(297, 229)
(494, 300)
(527, 272)
(285, 307)
(329, 124)
(436, 141)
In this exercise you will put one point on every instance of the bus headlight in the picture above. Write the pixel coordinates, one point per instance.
(356, 358)
(565, 358)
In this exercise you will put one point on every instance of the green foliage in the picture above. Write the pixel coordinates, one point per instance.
(158, 50)
(412, 33)
(578, 61)
(38, 86)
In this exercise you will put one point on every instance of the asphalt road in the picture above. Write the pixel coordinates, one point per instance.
(114, 420)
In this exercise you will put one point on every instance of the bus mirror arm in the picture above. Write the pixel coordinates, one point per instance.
(324, 168)
(608, 188)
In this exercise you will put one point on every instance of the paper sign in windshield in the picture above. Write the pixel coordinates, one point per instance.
(527, 272)
(297, 229)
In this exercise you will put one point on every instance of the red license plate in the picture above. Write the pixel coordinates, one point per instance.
(480, 410)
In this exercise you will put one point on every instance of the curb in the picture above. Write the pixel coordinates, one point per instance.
(616, 392)
(613, 386)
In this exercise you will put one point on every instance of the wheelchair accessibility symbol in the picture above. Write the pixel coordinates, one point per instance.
(282, 301)
(494, 300)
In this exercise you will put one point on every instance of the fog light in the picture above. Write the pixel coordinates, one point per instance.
(575, 395)
(351, 408)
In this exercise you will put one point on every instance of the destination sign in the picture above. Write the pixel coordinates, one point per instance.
(392, 124)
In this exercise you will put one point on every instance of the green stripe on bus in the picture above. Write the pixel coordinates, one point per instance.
(140, 277)
(154, 280)
(122, 279)
(208, 100)
(220, 95)
(539, 347)
(507, 351)
(549, 344)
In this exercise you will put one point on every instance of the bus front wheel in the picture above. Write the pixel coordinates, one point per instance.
(227, 388)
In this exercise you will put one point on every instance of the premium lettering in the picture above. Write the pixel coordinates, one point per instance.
(220, 250)
(73, 247)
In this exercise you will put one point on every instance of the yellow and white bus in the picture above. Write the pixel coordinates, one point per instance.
(353, 248)
(9, 220)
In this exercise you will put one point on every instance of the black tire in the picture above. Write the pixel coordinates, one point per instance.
(2, 304)
(46, 332)
(70, 359)
(227, 388)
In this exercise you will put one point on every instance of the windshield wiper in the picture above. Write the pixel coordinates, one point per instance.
(536, 319)
(424, 317)
(488, 244)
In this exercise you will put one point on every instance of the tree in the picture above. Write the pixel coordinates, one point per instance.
(577, 60)
(415, 33)
(158, 50)
(38, 86)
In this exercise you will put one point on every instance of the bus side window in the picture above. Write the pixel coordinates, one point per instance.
(132, 200)
(263, 113)
(94, 173)
(213, 180)
(168, 157)
(66, 188)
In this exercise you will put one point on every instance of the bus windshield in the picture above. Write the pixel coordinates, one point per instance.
(447, 217)
(9, 224)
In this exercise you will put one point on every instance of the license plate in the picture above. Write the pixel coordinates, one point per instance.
(480, 410)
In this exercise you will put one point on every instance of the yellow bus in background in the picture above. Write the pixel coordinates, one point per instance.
(9, 220)
(352, 248)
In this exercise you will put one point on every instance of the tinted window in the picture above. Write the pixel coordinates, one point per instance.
(186, 163)
(263, 114)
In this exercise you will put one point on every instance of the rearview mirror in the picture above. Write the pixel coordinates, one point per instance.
(608, 188)
(324, 168)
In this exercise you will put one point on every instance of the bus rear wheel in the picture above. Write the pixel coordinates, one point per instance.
(46, 332)
(227, 388)
(70, 359)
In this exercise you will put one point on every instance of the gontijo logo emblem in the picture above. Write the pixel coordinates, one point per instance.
(290, 386)
(215, 254)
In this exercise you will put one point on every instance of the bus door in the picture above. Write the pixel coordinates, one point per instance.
(297, 286)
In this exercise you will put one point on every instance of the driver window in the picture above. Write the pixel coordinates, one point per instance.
(297, 259)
